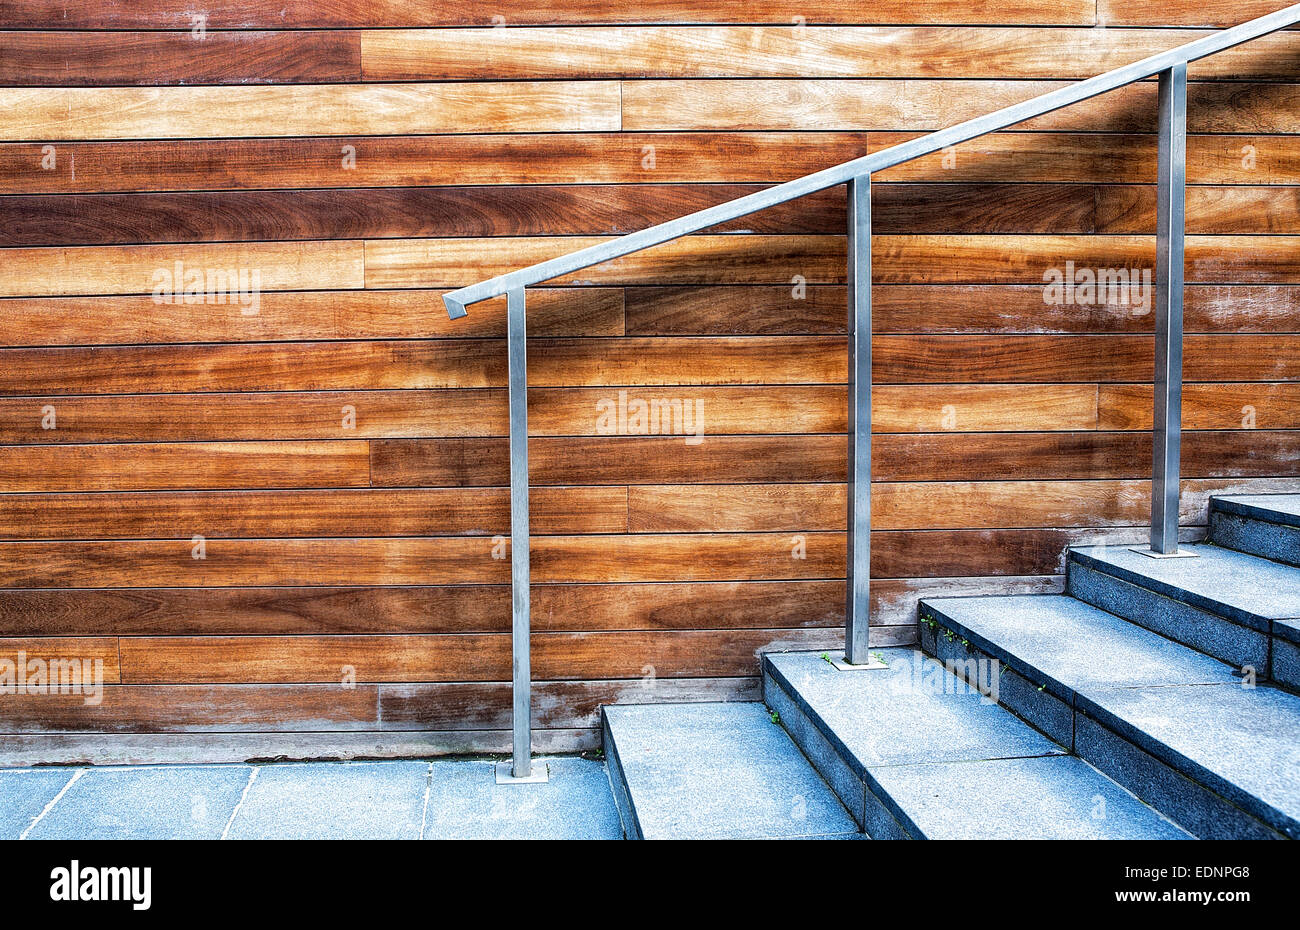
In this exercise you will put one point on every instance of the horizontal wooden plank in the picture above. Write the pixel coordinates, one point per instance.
(100, 219)
(445, 609)
(227, 276)
(618, 158)
(184, 465)
(298, 315)
(455, 706)
(72, 113)
(79, 58)
(786, 51)
(255, 14)
(900, 208)
(59, 660)
(466, 657)
(928, 308)
(226, 562)
(458, 657)
(197, 708)
(590, 311)
(1217, 13)
(896, 259)
(797, 459)
(46, 374)
(873, 104)
(338, 512)
(1205, 406)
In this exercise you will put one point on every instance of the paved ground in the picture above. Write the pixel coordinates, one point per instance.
(313, 800)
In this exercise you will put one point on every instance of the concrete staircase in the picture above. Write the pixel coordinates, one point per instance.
(1155, 699)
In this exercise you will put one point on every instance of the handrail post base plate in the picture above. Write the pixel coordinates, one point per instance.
(1155, 554)
(540, 775)
(841, 662)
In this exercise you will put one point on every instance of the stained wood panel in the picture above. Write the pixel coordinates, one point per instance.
(337, 512)
(813, 51)
(45, 59)
(340, 446)
(225, 112)
(618, 158)
(298, 316)
(256, 14)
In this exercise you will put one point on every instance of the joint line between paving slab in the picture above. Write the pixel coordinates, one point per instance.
(428, 785)
(252, 777)
(49, 807)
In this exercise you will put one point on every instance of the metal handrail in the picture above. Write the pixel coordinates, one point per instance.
(1171, 69)
(456, 301)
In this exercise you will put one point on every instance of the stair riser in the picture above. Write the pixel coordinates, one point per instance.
(1258, 537)
(1216, 636)
(617, 782)
(1286, 663)
(1195, 808)
(1041, 709)
(826, 758)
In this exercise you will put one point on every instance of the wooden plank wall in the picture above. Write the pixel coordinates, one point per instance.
(339, 445)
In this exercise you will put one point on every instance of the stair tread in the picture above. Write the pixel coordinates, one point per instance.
(1241, 741)
(943, 762)
(719, 771)
(1243, 588)
(1275, 508)
(1045, 797)
(1072, 645)
(877, 719)
(1183, 707)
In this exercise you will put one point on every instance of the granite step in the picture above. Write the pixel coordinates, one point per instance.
(1214, 752)
(1267, 525)
(1225, 603)
(914, 753)
(715, 771)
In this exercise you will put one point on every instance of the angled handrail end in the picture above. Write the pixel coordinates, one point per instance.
(455, 309)
(1009, 116)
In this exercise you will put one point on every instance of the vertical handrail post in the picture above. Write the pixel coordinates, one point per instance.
(1170, 228)
(857, 610)
(520, 768)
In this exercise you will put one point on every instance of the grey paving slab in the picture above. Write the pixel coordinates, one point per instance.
(1277, 541)
(151, 802)
(1276, 508)
(341, 800)
(1074, 645)
(1244, 588)
(914, 711)
(1240, 742)
(720, 771)
(576, 804)
(1048, 797)
(24, 794)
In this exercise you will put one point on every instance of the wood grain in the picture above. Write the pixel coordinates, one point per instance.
(333, 513)
(77, 113)
(810, 52)
(299, 316)
(58, 59)
(255, 14)
(166, 465)
(618, 158)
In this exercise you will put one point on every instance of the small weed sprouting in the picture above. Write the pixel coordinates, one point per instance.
(879, 657)
(776, 718)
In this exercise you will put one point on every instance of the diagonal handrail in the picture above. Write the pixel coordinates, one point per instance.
(1170, 67)
(456, 301)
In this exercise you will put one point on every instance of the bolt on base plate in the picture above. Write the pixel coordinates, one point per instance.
(540, 775)
(840, 662)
